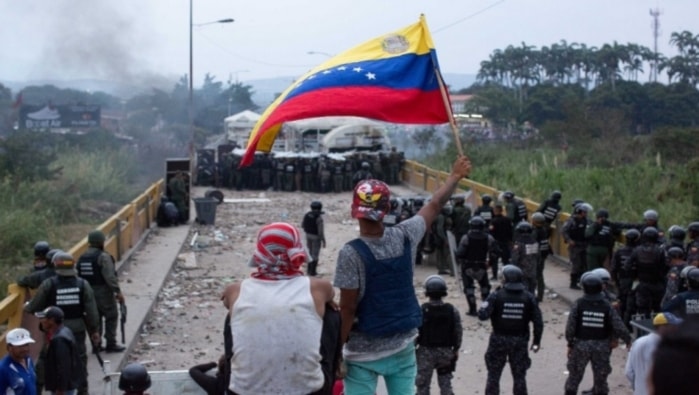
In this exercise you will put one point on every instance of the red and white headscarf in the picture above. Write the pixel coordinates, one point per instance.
(279, 254)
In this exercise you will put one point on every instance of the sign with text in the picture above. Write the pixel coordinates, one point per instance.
(55, 117)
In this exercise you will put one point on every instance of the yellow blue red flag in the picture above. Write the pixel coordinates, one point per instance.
(393, 78)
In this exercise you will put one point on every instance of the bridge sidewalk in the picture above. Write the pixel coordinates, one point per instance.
(141, 276)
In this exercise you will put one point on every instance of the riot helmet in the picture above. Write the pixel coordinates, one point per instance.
(693, 228)
(49, 256)
(316, 205)
(693, 278)
(477, 223)
(677, 232)
(556, 195)
(64, 264)
(435, 286)
(603, 274)
(486, 199)
(41, 248)
(591, 283)
(538, 218)
(602, 213)
(576, 202)
(459, 200)
(650, 215)
(513, 278)
(508, 195)
(134, 378)
(683, 273)
(632, 236)
(524, 228)
(365, 166)
(650, 234)
(675, 253)
(583, 208)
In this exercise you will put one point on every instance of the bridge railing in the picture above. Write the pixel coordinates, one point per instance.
(422, 177)
(123, 231)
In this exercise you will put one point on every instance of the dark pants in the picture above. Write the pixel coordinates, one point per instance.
(503, 349)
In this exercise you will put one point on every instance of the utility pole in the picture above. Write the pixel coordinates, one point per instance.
(655, 14)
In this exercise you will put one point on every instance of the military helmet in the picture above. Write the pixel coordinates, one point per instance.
(591, 283)
(458, 199)
(524, 228)
(513, 278)
(64, 264)
(693, 227)
(650, 215)
(583, 208)
(602, 213)
(650, 233)
(508, 195)
(556, 195)
(693, 278)
(96, 237)
(632, 236)
(683, 273)
(316, 205)
(603, 274)
(677, 232)
(486, 199)
(477, 223)
(576, 202)
(675, 253)
(134, 377)
(538, 218)
(435, 286)
(49, 255)
(41, 248)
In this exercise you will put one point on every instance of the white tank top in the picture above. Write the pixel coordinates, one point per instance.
(276, 338)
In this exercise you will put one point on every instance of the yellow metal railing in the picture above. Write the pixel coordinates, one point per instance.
(123, 230)
(420, 176)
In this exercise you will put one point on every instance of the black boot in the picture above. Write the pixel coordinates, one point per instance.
(471, 305)
(312, 268)
(574, 278)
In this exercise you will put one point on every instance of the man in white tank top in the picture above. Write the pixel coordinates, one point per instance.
(277, 320)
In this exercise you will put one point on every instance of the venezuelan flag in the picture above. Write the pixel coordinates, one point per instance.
(393, 78)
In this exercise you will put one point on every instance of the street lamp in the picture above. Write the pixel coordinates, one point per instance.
(191, 81)
(236, 74)
(319, 53)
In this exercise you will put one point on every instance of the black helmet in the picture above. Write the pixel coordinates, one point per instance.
(538, 218)
(134, 377)
(556, 195)
(603, 274)
(650, 215)
(41, 248)
(394, 203)
(582, 208)
(524, 228)
(576, 202)
(693, 227)
(435, 286)
(316, 205)
(477, 223)
(458, 199)
(693, 278)
(677, 233)
(632, 236)
(365, 165)
(513, 278)
(50, 255)
(591, 283)
(650, 234)
(487, 199)
(508, 195)
(675, 253)
(603, 213)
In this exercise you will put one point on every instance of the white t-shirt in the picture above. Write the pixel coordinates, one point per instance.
(276, 338)
(639, 362)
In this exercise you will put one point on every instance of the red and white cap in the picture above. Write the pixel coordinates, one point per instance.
(371, 200)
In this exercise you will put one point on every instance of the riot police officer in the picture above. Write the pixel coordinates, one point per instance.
(647, 263)
(75, 297)
(686, 304)
(439, 338)
(515, 208)
(591, 332)
(502, 229)
(460, 217)
(673, 280)
(364, 173)
(393, 217)
(692, 249)
(510, 310)
(485, 210)
(573, 233)
(134, 379)
(623, 275)
(541, 234)
(600, 239)
(96, 266)
(551, 207)
(472, 253)
(525, 254)
(43, 268)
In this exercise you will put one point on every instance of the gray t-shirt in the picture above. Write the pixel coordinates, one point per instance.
(349, 274)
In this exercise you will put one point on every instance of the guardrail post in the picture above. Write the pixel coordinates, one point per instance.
(424, 178)
(118, 238)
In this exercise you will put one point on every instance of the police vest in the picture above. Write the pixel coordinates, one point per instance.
(89, 269)
(522, 210)
(550, 213)
(577, 231)
(692, 252)
(477, 249)
(289, 168)
(310, 223)
(542, 238)
(437, 328)
(485, 212)
(387, 310)
(66, 293)
(511, 313)
(593, 320)
(307, 168)
(280, 166)
(622, 257)
(648, 257)
(602, 237)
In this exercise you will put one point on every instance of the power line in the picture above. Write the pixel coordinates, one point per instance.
(467, 17)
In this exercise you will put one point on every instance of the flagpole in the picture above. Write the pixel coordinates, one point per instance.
(447, 105)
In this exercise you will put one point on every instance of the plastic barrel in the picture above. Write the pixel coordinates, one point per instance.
(206, 210)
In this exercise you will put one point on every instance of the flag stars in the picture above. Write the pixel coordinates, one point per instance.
(327, 71)
(342, 68)
(357, 69)
(370, 76)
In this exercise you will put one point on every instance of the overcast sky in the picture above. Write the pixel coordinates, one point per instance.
(148, 39)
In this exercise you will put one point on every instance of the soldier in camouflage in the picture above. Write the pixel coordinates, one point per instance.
(573, 233)
(525, 254)
(623, 276)
(592, 331)
(439, 339)
(510, 310)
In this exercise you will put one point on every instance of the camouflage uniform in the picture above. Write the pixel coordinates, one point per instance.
(510, 311)
(574, 230)
(525, 255)
(592, 325)
(439, 341)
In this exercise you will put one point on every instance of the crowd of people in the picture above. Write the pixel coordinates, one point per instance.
(288, 332)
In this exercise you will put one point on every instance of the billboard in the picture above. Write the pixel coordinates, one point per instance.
(54, 117)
